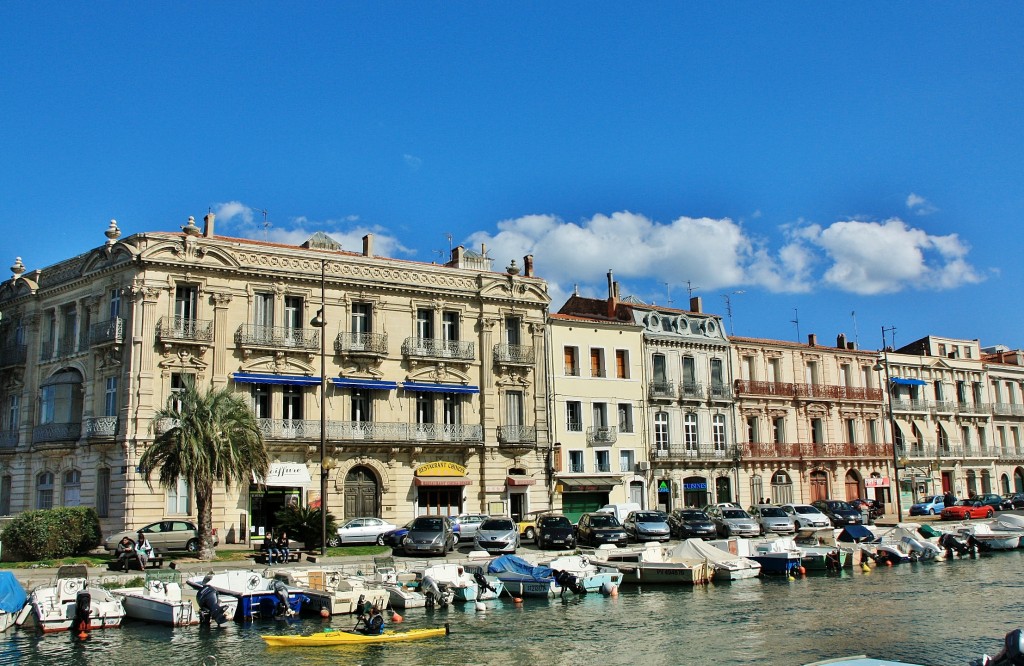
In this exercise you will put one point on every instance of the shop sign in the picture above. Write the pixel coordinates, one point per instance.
(699, 485)
(876, 482)
(663, 486)
(440, 468)
(494, 489)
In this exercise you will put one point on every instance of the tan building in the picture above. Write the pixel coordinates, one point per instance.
(811, 421)
(436, 400)
(1005, 370)
(597, 397)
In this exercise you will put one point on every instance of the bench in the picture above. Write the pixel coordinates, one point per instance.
(294, 554)
(155, 562)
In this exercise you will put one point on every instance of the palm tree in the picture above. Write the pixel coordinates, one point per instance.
(213, 438)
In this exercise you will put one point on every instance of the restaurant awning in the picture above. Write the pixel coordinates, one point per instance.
(357, 383)
(440, 481)
(439, 388)
(907, 382)
(290, 380)
(285, 474)
(519, 480)
(579, 482)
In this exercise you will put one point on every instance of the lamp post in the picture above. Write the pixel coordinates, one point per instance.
(884, 364)
(321, 323)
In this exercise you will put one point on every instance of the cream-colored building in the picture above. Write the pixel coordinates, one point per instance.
(436, 400)
(811, 421)
(597, 425)
(1005, 370)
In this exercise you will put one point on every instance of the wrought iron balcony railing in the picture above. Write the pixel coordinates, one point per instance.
(438, 348)
(517, 434)
(57, 432)
(602, 435)
(513, 354)
(374, 344)
(184, 329)
(8, 439)
(13, 355)
(661, 390)
(107, 332)
(691, 391)
(278, 337)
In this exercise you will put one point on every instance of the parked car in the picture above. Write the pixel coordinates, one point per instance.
(1013, 501)
(367, 529)
(967, 509)
(928, 506)
(466, 524)
(497, 535)
(647, 526)
(164, 535)
(875, 508)
(990, 499)
(596, 529)
(429, 535)
(772, 519)
(806, 516)
(621, 510)
(555, 531)
(528, 525)
(839, 512)
(730, 521)
(395, 537)
(691, 524)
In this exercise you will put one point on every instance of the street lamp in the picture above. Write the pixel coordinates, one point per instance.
(883, 364)
(321, 323)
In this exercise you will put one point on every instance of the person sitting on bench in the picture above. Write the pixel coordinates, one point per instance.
(125, 552)
(270, 550)
(143, 551)
(282, 546)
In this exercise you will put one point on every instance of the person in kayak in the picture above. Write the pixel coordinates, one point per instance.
(373, 624)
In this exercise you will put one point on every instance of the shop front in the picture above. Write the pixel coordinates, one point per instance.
(286, 484)
(582, 494)
(439, 488)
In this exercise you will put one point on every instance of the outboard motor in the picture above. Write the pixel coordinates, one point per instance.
(281, 593)
(481, 582)
(567, 581)
(953, 545)
(83, 609)
(434, 595)
(209, 607)
(1012, 653)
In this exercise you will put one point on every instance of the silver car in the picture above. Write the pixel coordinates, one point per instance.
(647, 526)
(466, 525)
(806, 516)
(773, 519)
(498, 535)
(731, 521)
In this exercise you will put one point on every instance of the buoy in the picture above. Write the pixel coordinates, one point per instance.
(792, 578)
(83, 635)
(324, 613)
(864, 567)
(803, 570)
(480, 606)
(888, 563)
(517, 601)
(615, 591)
(396, 618)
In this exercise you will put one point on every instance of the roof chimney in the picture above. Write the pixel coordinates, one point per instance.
(696, 304)
(841, 341)
(528, 265)
(368, 245)
(208, 226)
(613, 295)
(456, 259)
(812, 340)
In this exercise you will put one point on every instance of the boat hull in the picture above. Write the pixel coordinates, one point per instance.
(53, 606)
(334, 638)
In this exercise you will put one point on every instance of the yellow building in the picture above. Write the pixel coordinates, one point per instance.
(436, 400)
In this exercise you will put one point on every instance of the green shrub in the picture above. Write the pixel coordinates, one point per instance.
(52, 533)
(303, 524)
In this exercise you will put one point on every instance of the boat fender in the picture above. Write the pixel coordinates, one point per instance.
(396, 618)
(447, 629)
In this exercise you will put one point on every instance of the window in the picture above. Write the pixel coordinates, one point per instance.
(602, 461)
(576, 462)
(817, 433)
(658, 363)
(424, 408)
(44, 490)
(716, 373)
(689, 371)
(847, 372)
(114, 309)
(5, 495)
(261, 401)
(982, 439)
(574, 416)
(452, 405)
(61, 398)
(942, 349)
(103, 492)
(778, 430)
(70, 325)
(718, 433)
(178, 383)
(621, 364)
(625, 417)
(514, 408)
(72, 488)
(627, 461)
(749, 369)
(360, 404)
(110, 397)
(600, 410)
(293, 308)
(977, 390)
(965, 435)
(572, 362)
(362, 318)
(967, 351)
(690, 439)
(424, 323)
(263, 310)
(13, 415)
(961, 391)
(661, 438)
(450, 326)
(179, 499)
(597, 363)
(812, 373)
(512, 330)
(869, 376)
(292, 404)
(938, 390)
(851, 431)
(872, 431)
(47, 400)
(752, 429)
(775, 370)
(186, 302)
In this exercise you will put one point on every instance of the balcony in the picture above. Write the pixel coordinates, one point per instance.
(782, 389)
(8, 439)
(101, 426)
(944, 406)
(951, 451)
(661, 391)
(56, 432)
(361, 344)
(916, 451)
(517, 434)
(439, 349)
(770, 450)
(719, 392)
(369, 431)
(602, 435)
(513, 355)
(107, 332)
(974, 407)
(690, 391)
(447, 432)
(1007, 409)
(51, 351)
(278, 337)
(910, 405)
(160, 426)
(825, 391)
(184, 329)
(366, 431)
(701, 453)
(12, 355)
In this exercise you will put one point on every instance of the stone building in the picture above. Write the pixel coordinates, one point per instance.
(436, 399)
(1005, 369)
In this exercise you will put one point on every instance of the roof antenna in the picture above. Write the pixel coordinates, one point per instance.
(690, 289)
(668, 292)
(266, 224)
(796, 320)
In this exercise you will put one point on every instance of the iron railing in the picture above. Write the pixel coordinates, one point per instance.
(278, 337)
(438, 348)
(601, 434)
(8, 439)
(513, 354)
(517, 434)
(661, 390)
(57, 432)
(184, 329)
(107, 331)
(13, 355)
(691, 391)
(362, 343)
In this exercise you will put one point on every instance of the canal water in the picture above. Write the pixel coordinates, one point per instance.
(942, 613)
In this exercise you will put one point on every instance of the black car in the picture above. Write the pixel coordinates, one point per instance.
(596, 529)
(990, 499)
(555, 531)
(691, 524)
(839, 512)
(1013, 501)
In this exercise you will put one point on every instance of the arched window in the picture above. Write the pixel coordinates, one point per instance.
(782, 488)
(72, 487)
(44, 490)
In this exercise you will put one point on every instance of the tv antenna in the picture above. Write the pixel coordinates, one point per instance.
(266, 224)
(796, 320)
(668, 291)
(690, 289)
(441, 253)
(728, 307)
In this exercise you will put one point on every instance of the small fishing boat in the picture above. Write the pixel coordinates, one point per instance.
(590, 576)
(12, 599)
(333, 638)
(331, 589)
(991, 539)
(655, 563)
(258, 597)
(522, 579)
(462, 583)
(70, 601)
(725, 564)
(776, 556)
(159, 600)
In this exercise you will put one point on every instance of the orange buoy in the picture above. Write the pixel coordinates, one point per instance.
(396, 618)
(803, 570)
(324, 613)
(83, 635)
(888, 563)
(615, 591)
(517, 600)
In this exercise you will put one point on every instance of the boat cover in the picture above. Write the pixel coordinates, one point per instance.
(856, 534)
(929, 532)
(12, 594)
(517, 565)
(696, 549)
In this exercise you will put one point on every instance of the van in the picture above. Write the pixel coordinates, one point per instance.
(620, 511)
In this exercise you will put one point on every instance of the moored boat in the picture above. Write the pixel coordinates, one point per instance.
(655, 564)
(522, 579)
(725, 565)
(70, 601)
(588, 575)
(12, 599)
(991, 539)
(464, 584)
(333, 638)
(159, 600)
(258, 597)
(333, 590)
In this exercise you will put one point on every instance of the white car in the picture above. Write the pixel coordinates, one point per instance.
(361, 530)
(806, 516)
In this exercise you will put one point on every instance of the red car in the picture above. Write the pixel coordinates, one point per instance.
(967, 510)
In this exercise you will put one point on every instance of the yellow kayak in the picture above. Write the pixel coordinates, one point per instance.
(328, 638)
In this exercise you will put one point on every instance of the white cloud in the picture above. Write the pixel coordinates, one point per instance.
(227, 212)
(919, 205)
(412, 161)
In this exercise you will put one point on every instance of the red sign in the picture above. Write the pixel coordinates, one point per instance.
(876, 482)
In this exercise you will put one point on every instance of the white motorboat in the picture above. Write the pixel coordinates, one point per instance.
(258, 596)
(988, 538)
(12, 600)
(159, 600)
(71, 602)
(464, 585)
(654, 563)
(333, 590)
(590, 576)
(776, 556)
(724, 565)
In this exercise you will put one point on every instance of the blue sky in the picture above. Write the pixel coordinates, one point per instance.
(821, 158)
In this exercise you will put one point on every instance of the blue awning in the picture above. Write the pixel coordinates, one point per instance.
(439, 388)
(291, 380)
(356, 383)
(907, 382)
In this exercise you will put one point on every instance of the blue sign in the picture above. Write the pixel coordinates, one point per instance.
(703, 485)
